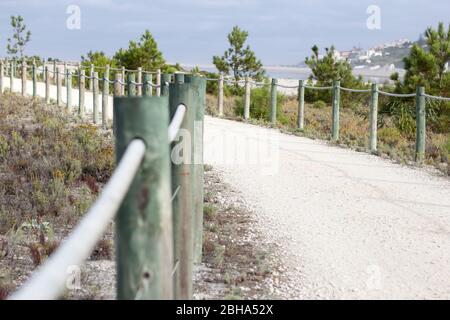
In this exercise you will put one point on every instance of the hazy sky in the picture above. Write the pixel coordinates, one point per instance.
(192, 31)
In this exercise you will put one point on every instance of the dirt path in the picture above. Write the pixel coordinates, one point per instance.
(351, 225)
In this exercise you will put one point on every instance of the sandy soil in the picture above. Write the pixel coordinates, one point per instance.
(351, 225)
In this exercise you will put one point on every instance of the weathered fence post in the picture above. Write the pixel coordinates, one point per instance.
(146, 85)
(182, 156)
(2, 74)
(105, 97)
(81, 90)
(54, 71)
(11, 77)
(131, 86)
(158, 82)
(247, 99)
(124, 79)
(165, 81)
(69, 89)
(420, 124)
(58, 87)
(144, 221)
(139, 80)
(47, 85)
(91, 80)
(34, 78)
(198, 91)
(24, 77)
(94, 80)
(373, 117)
(301, 105)
(336, 101)
(220, 95)
(117, 85)
(273, 102)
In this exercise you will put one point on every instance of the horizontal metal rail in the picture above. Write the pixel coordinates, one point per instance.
(175, 124)
(49, 280)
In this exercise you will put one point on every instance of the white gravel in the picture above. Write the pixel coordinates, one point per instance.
(350, 225)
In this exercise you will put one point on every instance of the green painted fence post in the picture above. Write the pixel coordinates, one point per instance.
(105, 97)
(336, 101)
(146, 85)
(117, 85)
(144, 221)
(273, 102)
(58, 88)
(69, 89)
(91, 74)
(95, 90)
(220, 95)
(158, 82)
(11, 77)
(301, 105)
(81, 91)
(124, 79)
(34, 78)
(139, 80)
(24, 77)
(373, 118)
(198, 92)
(247, 99)
(182, 156)
(165, 80)
(420, 124)
(131, 87)
(47, 85)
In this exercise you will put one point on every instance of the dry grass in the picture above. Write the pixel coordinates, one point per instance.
(52, 165)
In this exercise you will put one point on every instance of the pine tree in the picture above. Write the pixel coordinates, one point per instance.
(16, 44)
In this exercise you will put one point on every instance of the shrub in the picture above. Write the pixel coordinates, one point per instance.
(319, 104)
(390, 136)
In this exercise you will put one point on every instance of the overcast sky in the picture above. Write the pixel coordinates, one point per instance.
(192, 31)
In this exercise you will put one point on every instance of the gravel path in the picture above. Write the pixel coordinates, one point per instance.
(350, 225)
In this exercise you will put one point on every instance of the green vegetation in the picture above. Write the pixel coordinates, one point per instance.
(239, 59)
(21, 36)
(52, 167)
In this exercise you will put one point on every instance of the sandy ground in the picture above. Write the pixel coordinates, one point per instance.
(351, 225)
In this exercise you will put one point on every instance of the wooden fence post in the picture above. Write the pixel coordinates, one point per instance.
(54, 71)
(146, 85)
(105, 97)
(81, 90)
(124, 79)
(139, 80)
(58, 88)
(91, 81)
(95, 98)
(373, 117)
(198, 92)
(144, 221)
(69, 89)
(336, 102)
(247, 99)
(34, 78)
(47, 85)
(420, 124)
(131, 87)
(158, 82)
(301, 105)
(11, 77)
(2, 74)
(183, 179)
(24, 77)
(117, 85)
(273, 102)
(165, 79)
(220, 95)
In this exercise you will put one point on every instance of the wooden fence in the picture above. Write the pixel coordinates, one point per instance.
(155, 195)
